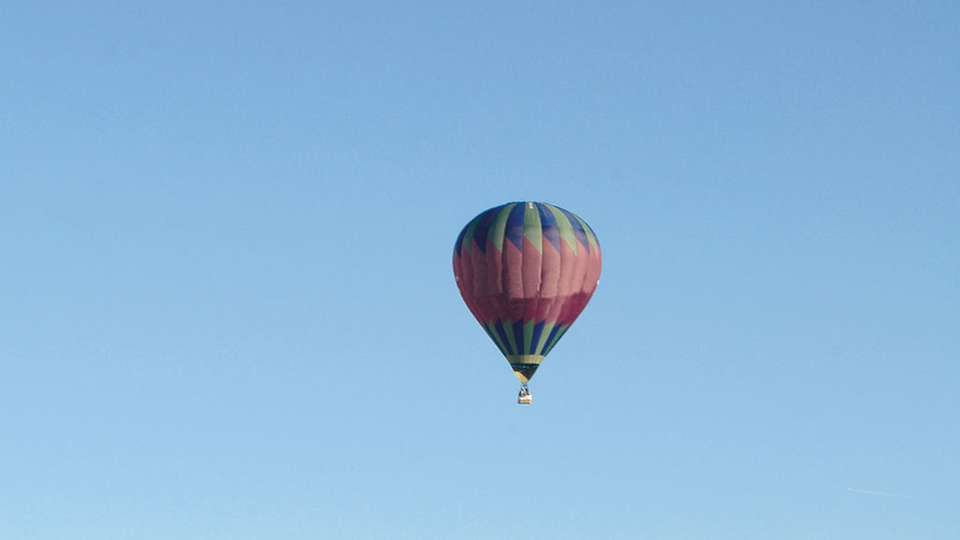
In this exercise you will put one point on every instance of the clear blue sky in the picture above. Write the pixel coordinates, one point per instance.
(227, 309)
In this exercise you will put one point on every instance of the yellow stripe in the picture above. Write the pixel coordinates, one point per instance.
(525, 358)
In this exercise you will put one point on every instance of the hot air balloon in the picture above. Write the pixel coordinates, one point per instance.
(526, 270)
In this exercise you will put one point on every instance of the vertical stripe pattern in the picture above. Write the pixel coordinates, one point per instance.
(526, 271)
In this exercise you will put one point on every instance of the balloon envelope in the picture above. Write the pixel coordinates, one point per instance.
(526, 270)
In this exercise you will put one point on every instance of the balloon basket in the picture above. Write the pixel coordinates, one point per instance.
(524, 397)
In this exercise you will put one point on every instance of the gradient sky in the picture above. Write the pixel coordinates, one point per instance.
(227, 309)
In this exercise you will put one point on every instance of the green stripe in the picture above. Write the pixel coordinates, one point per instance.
(543, 338)
(491, 329)
(556, 338)
(591, 237)
(508, 330)
(467, 244)
(532, 229)
(566, 229)
(527, 336)
(499, 226)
